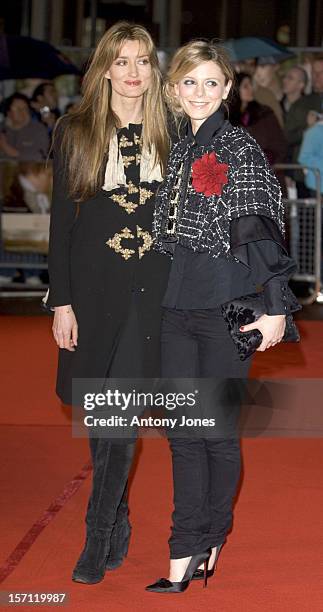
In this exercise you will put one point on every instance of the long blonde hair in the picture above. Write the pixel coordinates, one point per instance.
(89, 128)
(189, 57)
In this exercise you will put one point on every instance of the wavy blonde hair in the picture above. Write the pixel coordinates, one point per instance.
(189, 57)
(88, 130)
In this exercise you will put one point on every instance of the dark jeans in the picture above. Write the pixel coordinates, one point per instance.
(196, 344)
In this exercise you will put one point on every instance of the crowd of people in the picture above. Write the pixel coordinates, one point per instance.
(28, 122)
(275, 111)
(284, 120)
(283, 114)
(278, 112)
(26, 180)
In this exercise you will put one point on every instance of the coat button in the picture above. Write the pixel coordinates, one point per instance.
(148, 337)
(142, 289)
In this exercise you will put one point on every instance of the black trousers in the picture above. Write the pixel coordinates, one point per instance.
(196, 344)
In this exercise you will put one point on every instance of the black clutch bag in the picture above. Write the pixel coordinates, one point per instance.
(247, 309)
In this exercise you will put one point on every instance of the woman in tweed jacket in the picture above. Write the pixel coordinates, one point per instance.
(219, 215)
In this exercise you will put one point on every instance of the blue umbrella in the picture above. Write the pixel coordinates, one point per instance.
(251, 47)
(22, 57)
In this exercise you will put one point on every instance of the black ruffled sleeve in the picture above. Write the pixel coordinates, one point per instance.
(250, 228)
(272, 268)
(258, 243)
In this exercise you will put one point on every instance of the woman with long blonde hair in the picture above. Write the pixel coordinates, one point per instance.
(106, 282)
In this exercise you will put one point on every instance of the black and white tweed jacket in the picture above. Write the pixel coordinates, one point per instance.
(203, 222)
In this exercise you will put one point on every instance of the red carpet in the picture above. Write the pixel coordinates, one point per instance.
(273, 558)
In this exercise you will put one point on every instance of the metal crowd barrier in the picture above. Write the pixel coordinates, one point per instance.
(304, 228)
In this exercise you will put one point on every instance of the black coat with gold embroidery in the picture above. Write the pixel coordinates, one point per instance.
(99, 252)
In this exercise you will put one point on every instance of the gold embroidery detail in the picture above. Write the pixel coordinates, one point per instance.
(130, 207)
(147, 241)
(115, 243)
(145, 194)
(138, 159)
(137, 139)
(124, 142)
(128, 159)
(132, 188)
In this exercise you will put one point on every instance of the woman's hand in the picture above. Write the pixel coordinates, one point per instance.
(65, 328)
(272, 329)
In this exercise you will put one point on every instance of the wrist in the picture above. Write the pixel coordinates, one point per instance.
(66, 308)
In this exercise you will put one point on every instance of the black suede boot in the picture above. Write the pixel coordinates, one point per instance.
(111, 465)
(120, 536)
(90, 567)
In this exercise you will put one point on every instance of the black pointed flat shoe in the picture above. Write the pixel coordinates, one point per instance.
(163, 585)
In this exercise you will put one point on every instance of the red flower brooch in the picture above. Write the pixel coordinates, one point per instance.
(208, 175)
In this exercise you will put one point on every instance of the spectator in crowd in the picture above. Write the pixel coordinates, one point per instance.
(317, 76)
(258, 119)
(31, 187)
(21, 138)
(30, 190)
(317, 96)
(266, 76)
(303, 112)
(44, 103)
(294, 85)
(263, 95)
(311, 153)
